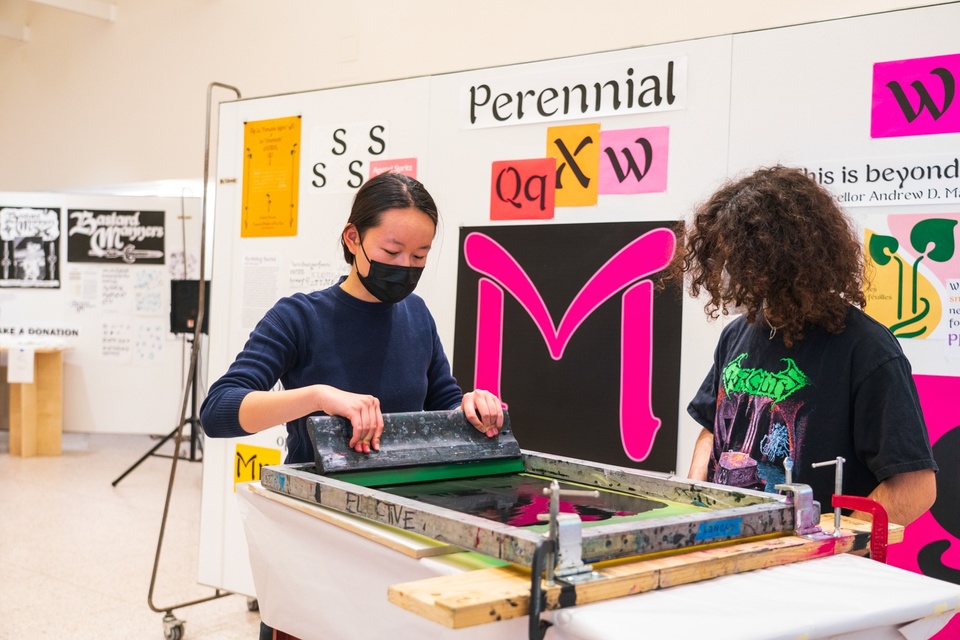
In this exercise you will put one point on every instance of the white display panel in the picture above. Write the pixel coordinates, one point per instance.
(798, 96)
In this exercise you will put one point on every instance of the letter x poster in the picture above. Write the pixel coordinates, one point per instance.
(565, 323)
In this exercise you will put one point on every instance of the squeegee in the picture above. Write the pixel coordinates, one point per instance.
(418, 446)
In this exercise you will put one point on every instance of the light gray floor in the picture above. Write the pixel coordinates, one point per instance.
(76, 554)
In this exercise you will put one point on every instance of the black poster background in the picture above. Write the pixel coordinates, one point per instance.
(570, 407)
(146, 250)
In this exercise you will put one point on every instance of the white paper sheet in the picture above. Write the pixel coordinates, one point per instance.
(20, 365)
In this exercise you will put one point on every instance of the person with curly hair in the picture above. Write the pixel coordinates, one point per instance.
(803, 375)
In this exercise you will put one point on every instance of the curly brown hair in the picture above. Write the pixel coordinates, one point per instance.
(773, 243)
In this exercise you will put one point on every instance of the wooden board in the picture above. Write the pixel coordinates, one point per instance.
(488, 595)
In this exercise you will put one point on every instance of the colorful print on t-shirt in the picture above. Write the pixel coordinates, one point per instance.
(757, 427)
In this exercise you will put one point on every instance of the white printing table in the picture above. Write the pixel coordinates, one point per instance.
(322, 574)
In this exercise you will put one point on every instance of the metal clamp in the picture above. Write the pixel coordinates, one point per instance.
(806, 510)
(878, 527)
(566, 533)
(879, 532)
(837, 489)
(557, 555)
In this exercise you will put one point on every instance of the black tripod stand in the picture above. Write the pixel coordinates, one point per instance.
(196, 431)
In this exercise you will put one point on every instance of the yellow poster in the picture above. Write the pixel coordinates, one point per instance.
(577, 150)
(271, 169)
(250, 460)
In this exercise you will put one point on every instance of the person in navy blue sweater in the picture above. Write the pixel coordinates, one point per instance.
(361, 348)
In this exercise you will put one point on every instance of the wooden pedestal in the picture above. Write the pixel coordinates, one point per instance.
(36, 409)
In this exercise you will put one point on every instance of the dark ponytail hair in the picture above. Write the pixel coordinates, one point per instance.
(382, 193)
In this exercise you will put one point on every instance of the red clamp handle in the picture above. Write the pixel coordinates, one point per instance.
(878, 530)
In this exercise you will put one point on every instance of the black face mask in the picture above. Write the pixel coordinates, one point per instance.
(388, 282)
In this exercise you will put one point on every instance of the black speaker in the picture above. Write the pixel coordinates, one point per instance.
(184, 302)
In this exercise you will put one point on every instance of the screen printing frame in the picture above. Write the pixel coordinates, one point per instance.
(732, 514)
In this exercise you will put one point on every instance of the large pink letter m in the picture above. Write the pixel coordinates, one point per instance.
(625, 271)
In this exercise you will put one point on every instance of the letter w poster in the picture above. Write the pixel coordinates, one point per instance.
(565, 324)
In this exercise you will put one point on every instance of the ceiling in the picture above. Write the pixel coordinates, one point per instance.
(15, 29)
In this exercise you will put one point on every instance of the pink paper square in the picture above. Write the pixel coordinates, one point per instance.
(634, 160)
(405, 166)
(915, 97)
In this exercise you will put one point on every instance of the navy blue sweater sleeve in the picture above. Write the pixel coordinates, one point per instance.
(443, 392)
(269, 353)
(328, 337)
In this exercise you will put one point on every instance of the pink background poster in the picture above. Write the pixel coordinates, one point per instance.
(932, 543)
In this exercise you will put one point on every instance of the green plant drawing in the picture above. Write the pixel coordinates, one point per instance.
(932, 239)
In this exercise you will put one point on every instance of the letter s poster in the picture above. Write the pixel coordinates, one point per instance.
(566, 325)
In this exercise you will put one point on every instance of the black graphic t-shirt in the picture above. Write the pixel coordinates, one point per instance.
(849, 395)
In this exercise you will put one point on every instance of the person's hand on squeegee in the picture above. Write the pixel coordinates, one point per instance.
(482, 409)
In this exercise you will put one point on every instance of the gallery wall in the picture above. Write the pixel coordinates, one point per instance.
(102, 103)
(706, 110)
(91, 275)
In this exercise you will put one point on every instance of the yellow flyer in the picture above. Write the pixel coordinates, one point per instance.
(271, 169)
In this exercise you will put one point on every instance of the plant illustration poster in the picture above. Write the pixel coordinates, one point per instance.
(913, 266)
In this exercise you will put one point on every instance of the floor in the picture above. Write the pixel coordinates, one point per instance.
(77, 554)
